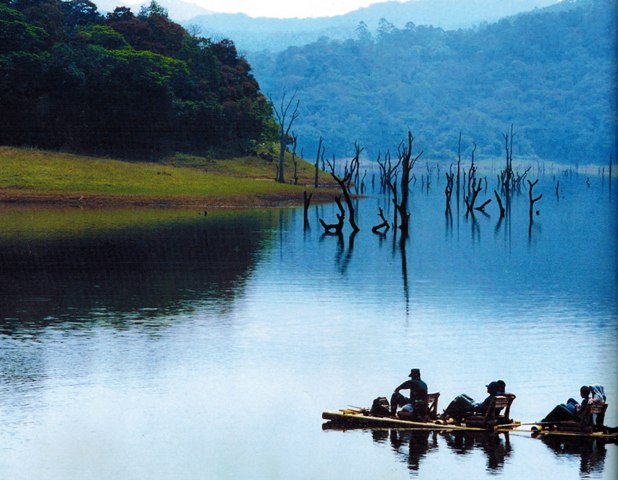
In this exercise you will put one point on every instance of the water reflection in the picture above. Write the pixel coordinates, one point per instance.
(413, 446)
(496, 446)
(590, 451)
(127, 275)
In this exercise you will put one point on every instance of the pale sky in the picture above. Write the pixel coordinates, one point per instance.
(284, 8)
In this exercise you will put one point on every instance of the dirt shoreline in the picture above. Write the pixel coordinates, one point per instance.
(102, 201)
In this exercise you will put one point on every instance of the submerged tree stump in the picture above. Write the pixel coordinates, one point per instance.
(384, 225)
(335, 228)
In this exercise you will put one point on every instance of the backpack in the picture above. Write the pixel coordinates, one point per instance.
(380, 407)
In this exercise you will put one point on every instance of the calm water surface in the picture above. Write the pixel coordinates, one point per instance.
(191, 347)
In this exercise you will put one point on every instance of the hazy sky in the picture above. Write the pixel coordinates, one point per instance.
(284, 8)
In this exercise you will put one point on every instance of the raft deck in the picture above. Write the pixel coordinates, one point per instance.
(358, 418)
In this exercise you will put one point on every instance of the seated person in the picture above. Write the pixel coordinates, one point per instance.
(492, 389)
(571, 410)
(597, 399)
(416, 405)
(463, 405)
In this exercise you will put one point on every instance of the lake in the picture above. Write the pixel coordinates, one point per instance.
(176, 345)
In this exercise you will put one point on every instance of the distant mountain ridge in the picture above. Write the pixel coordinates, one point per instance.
(178, 10)
(254, 34)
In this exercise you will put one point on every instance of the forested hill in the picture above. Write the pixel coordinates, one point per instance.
(551, 73)
(126, 83)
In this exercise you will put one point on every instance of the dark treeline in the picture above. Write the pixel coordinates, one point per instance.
(551, 73)
(125, 83)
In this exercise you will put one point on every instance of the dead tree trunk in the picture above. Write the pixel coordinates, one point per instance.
(285, 118)
(471, 198)
(294, 160)
(458, 165)
(557, 188)
(335, 228)
(384, 225)
(481, 208)
(531, 197)
(307, 202)
(393, 188)
(343, 184)
(499, 200)
(317, 159)
(448, 190)
(407, 164)
(506, 175)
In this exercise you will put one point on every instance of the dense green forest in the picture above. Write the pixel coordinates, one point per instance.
(127, 83)
(551, 73)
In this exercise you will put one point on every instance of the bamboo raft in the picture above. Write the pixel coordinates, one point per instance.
(491, 421)
(351, 418)
(539, 430)
(360, 418)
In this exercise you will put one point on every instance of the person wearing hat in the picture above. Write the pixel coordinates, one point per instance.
(416, 405)
(493, 390)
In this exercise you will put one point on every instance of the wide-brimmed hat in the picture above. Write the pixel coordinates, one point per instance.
(415, 372)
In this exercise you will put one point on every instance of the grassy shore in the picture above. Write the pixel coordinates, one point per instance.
(30, 175)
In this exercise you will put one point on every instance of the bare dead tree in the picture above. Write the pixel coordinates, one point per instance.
(518, 179)
(294, 160)
(458, 165)
(384, 225)
(474, 187)
(531, 197)
(448, 190)
(343, 183)
(392, 184)
(407, 164)
(317, 159)
(387, 170)
(306, 203)
(471, 198)
(335, 228)
(429, 169)
(286, 113)
(557, 187)
(507, 174)
(471, 171)
(481, 208)
(351, 170)
(499, 200)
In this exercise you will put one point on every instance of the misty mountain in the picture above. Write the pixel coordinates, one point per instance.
(550, 72)
(253, 34)
(178, 10)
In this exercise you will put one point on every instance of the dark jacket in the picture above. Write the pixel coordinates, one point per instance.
(418, 389)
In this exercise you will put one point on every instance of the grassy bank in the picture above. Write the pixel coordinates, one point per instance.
(30, 175)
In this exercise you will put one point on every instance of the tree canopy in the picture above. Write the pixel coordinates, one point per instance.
(124, 83)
